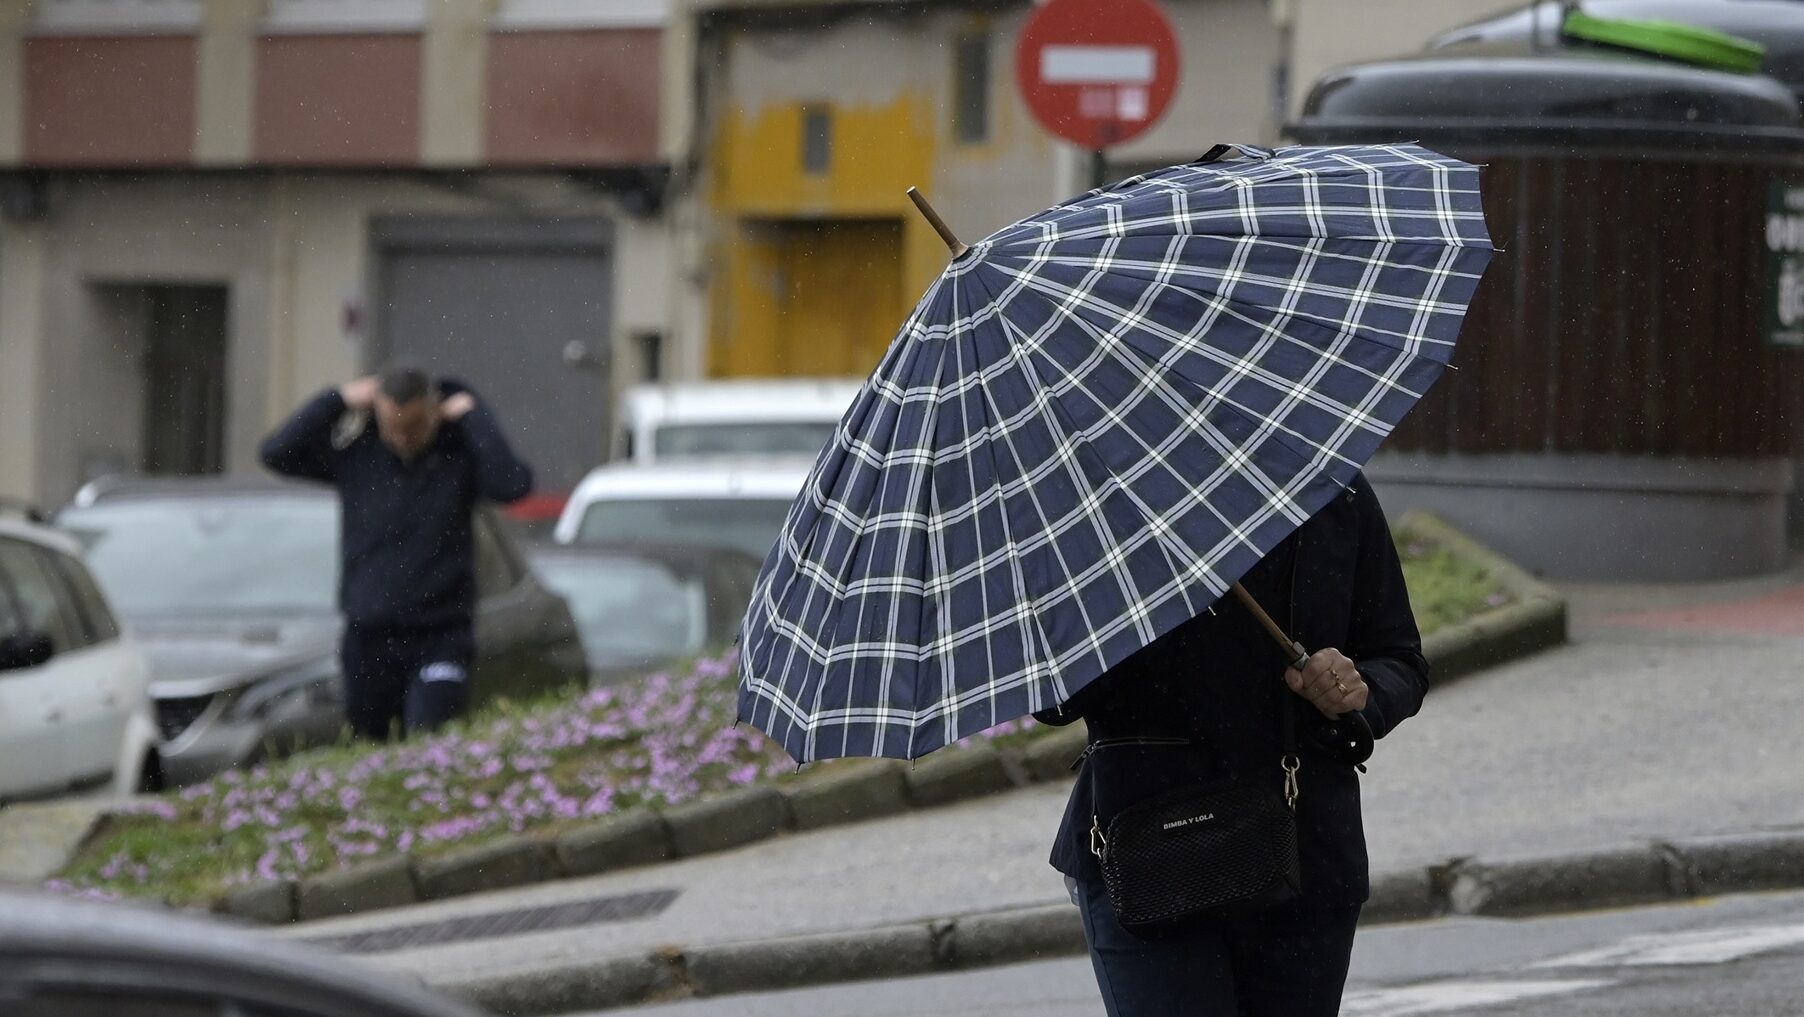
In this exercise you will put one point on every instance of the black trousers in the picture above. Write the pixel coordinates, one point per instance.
(1289, 962)
(417, 677)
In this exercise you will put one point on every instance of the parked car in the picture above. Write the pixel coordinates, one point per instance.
(725, 418)
(736, 504)
(61, 957)
(641, 607)
(231, 587)
(74, 702)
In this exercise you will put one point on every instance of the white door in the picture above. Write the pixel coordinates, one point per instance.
(107, 677)
(86, 682)
(31, 757)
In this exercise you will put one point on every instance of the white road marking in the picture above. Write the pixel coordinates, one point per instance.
(1438, 997)
(1709, 946)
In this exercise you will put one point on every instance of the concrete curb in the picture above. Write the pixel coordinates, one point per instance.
(1654, 872)
(846, 791)
(1534, 620)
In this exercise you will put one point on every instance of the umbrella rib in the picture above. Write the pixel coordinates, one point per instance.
(1070, 451)
(1027, 621)
(921, 483)
(850, 561)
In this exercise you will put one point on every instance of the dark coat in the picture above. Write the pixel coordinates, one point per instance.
(406, 543)
(1217, 680)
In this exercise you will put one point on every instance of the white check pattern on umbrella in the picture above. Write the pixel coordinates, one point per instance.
(1094, 422)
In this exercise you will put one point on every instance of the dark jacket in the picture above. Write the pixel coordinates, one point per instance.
(406, 545)
(1217, 680)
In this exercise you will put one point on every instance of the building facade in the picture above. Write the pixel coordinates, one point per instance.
(209, 209)
(795, 128)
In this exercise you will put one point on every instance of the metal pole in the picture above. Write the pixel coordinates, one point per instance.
(1099, 168)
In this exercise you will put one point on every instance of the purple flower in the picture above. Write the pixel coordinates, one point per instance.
(158, 807)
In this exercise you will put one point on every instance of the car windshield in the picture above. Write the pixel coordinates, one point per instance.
(214, 556)
(769, 437)
(741, 524)
(629, 609)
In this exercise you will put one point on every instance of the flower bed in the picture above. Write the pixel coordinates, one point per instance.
(533, 769)
(655, 743)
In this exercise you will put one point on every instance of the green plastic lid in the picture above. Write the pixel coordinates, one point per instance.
(1688, 43)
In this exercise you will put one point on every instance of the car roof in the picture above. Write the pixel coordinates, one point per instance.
(824, 399)
(36, 924)
(747, 478)
(122, 488)
(43, 536)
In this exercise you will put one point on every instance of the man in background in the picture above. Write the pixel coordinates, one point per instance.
(408, 482)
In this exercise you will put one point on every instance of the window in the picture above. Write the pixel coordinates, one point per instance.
(41, 597)
(750, 525)
(225, 556)
(96, 616)
(115, 17)
(12, 623)
(771, 437)
(311, 16)
(495, 571)
(651, 355)
(817, 139)
(971, 89)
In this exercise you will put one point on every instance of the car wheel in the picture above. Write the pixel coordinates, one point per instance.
(150, 776)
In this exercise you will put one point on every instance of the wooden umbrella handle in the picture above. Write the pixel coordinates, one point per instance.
(1298, 655)
(939, 225)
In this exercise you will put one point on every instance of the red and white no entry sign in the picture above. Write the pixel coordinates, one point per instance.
(1097, 72)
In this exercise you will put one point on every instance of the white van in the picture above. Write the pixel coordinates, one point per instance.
(794, 417)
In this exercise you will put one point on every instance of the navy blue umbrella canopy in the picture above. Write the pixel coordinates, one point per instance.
(1094, 422)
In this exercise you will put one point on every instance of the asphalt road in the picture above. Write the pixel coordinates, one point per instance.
(1734, 957)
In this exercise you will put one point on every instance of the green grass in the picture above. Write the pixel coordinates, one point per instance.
(1444, 589)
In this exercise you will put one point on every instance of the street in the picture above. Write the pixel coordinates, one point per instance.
(1733, 957)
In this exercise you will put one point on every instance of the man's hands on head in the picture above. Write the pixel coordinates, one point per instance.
(360, 394)
(456, 406)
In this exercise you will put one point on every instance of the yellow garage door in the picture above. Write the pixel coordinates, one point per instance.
(821, 297)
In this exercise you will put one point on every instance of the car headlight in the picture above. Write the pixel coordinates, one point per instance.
(261, 697)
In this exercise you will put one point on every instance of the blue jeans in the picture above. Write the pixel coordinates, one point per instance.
(1288, 962)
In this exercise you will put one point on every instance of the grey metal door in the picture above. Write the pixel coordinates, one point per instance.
(522, 310)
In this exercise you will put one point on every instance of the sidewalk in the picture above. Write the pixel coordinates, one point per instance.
(1664, 721)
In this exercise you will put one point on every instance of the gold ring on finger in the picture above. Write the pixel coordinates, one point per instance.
(1341, 686)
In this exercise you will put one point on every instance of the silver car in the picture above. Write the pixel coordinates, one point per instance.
(230, 587)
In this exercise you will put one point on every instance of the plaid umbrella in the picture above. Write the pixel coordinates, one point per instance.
(1094, 422)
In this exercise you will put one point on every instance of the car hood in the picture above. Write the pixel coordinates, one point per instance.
(193, 656)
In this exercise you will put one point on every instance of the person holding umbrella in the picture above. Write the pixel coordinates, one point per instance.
(1097, 424)
(1205, 702)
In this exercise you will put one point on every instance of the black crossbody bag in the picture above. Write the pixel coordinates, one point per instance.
(1205, 851)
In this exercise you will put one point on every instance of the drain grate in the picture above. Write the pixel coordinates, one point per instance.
(596, 911)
